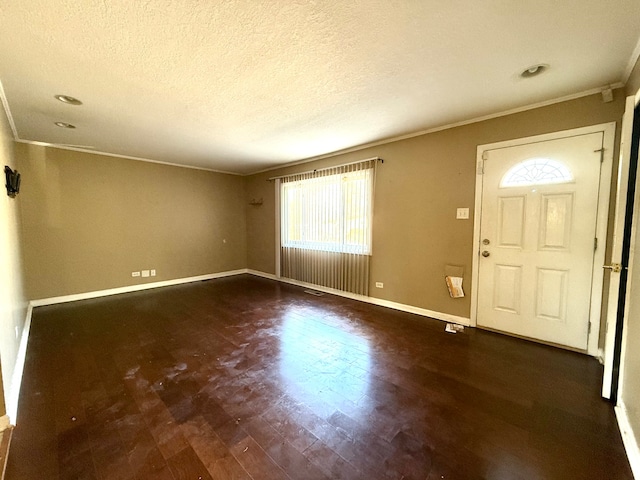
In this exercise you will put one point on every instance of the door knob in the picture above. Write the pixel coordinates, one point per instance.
(485, 253)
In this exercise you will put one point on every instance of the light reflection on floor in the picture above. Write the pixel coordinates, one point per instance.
(323, 364)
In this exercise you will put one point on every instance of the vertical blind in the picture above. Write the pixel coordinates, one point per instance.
(326, 220)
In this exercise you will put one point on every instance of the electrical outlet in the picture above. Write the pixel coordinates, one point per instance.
(145, 273)
(153, 272)
(379, 285)
(135, 274)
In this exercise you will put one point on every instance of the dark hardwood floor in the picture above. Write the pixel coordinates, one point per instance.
(242, 378)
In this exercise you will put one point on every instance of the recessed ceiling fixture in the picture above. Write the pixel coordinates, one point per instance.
(534, 70)
(67, 99)
(64, 125)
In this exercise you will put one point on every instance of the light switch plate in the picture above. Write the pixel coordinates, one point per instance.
(462, 214)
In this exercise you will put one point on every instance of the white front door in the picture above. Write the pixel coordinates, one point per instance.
(537, 238)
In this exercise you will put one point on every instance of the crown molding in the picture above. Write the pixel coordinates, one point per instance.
(448, 126)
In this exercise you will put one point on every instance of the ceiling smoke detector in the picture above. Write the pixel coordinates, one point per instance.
(67, 99)
(534, 70)
(64, 125)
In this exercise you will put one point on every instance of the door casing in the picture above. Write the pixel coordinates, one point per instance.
(608, 130)
(614, 351)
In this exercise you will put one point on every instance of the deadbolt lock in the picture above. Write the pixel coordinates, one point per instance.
(614, 267)
(486, 241)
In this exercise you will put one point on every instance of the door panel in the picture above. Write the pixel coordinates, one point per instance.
(507, 289)
(551, 294)
(538, 238)
(555, 222)
(511, 221)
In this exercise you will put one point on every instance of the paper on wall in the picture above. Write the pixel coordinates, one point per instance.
(454, 284)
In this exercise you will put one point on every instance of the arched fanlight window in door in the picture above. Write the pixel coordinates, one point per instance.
(536, 171)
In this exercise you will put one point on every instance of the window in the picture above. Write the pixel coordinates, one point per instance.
(536, 171)
(329, 211)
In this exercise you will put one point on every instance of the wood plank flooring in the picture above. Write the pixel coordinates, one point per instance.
(5, 439)
(246, 378)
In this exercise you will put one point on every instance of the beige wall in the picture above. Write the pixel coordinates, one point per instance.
(13, 305)
(90, 220)
(421, 183)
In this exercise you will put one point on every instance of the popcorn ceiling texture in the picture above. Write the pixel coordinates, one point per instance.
(245, 85)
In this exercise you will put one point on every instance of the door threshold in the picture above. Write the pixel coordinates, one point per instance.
(534, 340)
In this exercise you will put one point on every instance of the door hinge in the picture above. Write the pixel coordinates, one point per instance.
(601, 150)
(480, 165)
(589, 329)
(595, 244)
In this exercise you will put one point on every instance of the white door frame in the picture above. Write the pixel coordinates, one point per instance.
(616, 251)
(609, 130)
(628, 300)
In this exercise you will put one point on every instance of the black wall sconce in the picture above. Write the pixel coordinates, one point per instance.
(13, 181)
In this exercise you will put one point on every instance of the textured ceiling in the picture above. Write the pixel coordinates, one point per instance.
(241, 86)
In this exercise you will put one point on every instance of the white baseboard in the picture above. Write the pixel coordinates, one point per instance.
(18, 369)
(270, 276)
(629, 439)
(445, 317)
(4, 422)
(132, 288)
